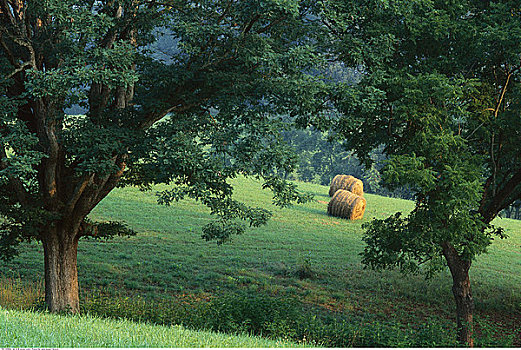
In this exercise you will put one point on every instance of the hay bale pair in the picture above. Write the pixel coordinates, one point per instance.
(347, 205)
(347, 197)
(346, 182)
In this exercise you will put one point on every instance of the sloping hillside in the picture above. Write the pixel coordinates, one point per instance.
(168, 261)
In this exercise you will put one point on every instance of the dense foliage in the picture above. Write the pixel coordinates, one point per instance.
(440, 91)
(193, 116)
(437, 94)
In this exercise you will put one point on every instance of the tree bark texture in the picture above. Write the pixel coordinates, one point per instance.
(61, 272)
(464, 308)
(462, 292)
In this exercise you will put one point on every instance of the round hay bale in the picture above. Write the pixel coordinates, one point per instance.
(347, 205)
(348, 183)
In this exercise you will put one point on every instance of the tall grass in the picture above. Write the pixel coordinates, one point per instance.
(16, 293)
(277, 318)
(36, 329)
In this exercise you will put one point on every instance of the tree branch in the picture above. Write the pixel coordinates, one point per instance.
(250, 24)
(502, 95)
(18, 70)
(78, 191)
(15, 183)
(6, 10)
(490, 208)
(47, 135)
(270, 25)
(7, 50)
(152, 118)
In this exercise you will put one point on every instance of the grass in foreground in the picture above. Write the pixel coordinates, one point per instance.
(22, 329)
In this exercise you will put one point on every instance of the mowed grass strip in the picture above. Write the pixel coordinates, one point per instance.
(23, 329)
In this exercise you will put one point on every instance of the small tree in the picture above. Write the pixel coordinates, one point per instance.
(441, 91)
(194, 109)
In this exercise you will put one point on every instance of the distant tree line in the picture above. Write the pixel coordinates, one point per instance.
(320, 159)
(513, 211)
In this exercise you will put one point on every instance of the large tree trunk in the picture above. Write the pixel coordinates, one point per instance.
(61, 272)
(60, 239)
(459, 269)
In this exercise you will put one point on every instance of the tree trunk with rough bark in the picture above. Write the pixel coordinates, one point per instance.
(461, 290)
(464, 308)
(61, 272)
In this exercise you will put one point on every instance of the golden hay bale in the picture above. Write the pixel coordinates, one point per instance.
(348, 183)
(347, 205)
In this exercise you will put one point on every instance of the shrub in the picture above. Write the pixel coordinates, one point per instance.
(284, 317)
(273, 316)
(303, 269)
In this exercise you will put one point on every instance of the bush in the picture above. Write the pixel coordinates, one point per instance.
(233, 313)
(304, 269)
(252, 312)
(277, 317)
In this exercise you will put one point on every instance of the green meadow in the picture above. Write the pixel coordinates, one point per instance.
(299, 277)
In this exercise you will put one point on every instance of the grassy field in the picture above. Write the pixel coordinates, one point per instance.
(30, 329)
(168, 260)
